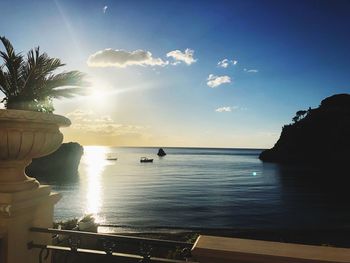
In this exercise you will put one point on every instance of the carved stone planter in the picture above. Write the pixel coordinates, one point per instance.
(25, 135)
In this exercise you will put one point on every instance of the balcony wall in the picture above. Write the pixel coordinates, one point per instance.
(211, 249)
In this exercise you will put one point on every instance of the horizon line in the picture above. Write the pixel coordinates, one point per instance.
(183, 147)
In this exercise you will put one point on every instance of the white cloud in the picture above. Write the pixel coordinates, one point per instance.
(121, 58)
(175, 63)
(215, 81)
(251, 70)
(227, 109)
(104, 9)
(179, 56)
(225, 63)
(224, 109)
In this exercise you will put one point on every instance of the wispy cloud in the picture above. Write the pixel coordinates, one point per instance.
(91, 122)
(251, 70)
(227, 109)
(179, 56)
(224, 109)
(121, 58)
(104, 9)
(225, 63)
(215, 81)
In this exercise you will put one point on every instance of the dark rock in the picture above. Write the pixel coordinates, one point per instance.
(320, 135)
(62, 163)
(161, 152)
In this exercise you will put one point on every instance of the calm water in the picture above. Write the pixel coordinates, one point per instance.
(205, 188)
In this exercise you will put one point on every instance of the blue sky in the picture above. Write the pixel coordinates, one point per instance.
(290, 55)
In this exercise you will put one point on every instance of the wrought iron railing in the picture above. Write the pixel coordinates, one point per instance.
(77, 246)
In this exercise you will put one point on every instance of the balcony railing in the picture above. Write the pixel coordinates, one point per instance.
(78, 246)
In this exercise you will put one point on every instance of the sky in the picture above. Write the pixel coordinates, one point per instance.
(188, 73)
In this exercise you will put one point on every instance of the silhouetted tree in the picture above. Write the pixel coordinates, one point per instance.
(29, 84)
(299, 115)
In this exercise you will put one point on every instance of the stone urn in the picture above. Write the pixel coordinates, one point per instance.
(25, 135)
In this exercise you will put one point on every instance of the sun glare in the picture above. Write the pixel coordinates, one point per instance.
(97, 96)
(94, 159)
(99, 91)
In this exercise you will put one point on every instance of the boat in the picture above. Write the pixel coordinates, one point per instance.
(146, 160)
(111, 157)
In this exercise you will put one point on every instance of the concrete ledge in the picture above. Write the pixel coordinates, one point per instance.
(211, 249)
(14, 204)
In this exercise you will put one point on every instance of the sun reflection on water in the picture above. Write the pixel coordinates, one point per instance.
(94, 158)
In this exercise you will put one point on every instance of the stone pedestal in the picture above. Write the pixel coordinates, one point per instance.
(19, 212)
(25, 135)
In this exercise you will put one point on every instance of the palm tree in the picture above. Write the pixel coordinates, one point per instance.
(30, 83)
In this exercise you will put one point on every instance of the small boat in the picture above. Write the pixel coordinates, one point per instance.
(146, 160)
(111, 157)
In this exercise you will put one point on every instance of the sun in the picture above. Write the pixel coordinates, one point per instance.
(97, 96)
(98, 92)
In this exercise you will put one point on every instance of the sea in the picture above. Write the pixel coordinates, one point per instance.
(201, 188)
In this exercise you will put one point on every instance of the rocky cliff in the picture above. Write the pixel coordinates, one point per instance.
(61, 164)
(320, 135)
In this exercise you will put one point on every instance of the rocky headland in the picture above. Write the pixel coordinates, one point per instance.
(62, 163)
(320, 135)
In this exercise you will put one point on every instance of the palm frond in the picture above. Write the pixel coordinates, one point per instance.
(64, 79)
(31, 83)
(47, 65)
(13, 63)
(67, 92)
(8, 46)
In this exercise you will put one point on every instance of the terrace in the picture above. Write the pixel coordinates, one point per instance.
(26, 216)
(27, 236)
